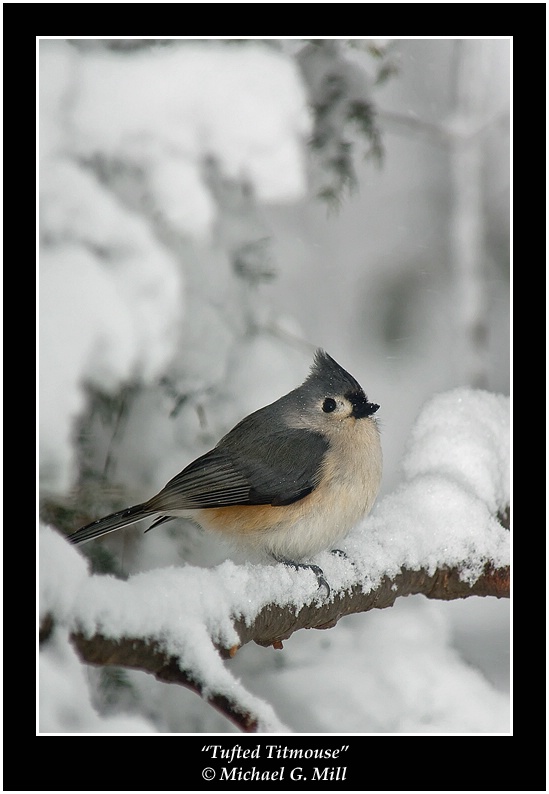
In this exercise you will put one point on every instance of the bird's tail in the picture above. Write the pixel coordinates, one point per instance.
(122, 518)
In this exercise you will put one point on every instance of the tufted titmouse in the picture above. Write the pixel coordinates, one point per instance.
(290, 479)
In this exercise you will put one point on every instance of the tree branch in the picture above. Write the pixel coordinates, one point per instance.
(148, 656)
(274, 623)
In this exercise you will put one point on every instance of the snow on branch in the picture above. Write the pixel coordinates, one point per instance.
(443, 533)
(275, 623)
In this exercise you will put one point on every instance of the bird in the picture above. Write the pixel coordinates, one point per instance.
(287, 482)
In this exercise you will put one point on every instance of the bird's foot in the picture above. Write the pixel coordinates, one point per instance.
(316, 569)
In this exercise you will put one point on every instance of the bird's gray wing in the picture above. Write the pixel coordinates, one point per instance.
(276, 469)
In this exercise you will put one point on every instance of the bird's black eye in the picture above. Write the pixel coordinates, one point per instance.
(328, 405)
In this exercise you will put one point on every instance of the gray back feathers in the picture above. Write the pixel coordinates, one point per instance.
(266, 458)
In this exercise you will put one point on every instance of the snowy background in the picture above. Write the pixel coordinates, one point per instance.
(188, 270)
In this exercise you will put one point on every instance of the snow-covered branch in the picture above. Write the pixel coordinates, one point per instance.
(275, 623)
(272, 624)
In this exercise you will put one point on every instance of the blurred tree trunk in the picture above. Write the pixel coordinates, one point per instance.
(467, 232)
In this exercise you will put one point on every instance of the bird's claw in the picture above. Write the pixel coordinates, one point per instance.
(316, 569)
(319, 573)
